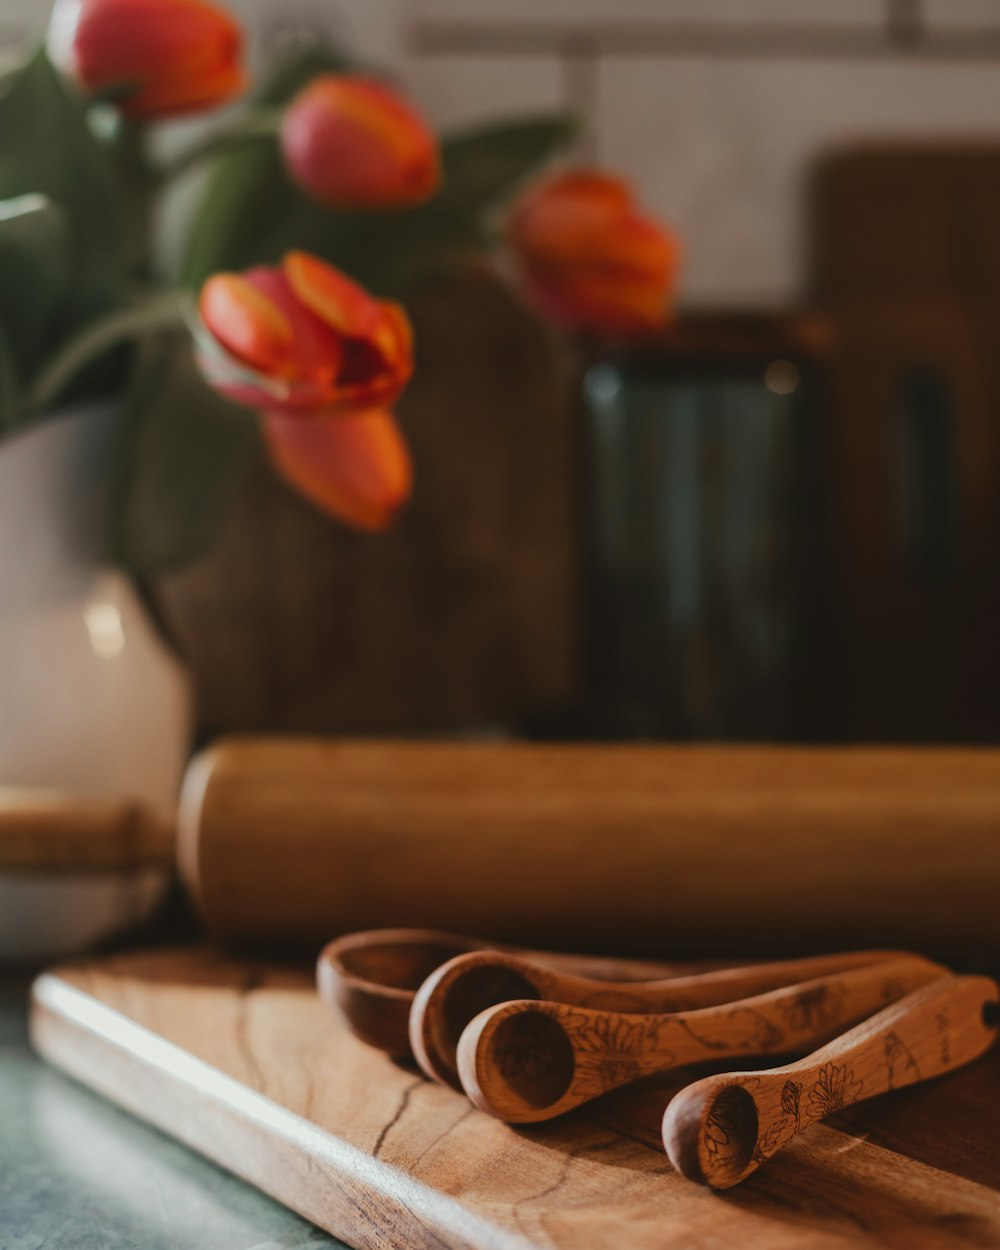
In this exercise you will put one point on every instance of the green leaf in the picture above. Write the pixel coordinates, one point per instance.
(180, 452)
(251, 213)
(47, 148)
(248, 192)
(9, 391)
(486, 164)
(35, 254)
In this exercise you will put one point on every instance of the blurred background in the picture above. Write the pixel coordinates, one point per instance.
(781, 519)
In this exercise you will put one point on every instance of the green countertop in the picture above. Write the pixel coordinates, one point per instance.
(78, 1174)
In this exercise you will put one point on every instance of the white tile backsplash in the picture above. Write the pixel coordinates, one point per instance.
(461, 90)
(372, 30)
(958, 15)
(722, 147)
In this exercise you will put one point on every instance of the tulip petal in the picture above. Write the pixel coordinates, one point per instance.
(318, 349)
(614, 306)
(594, 228)
(354, 466)
(350, 141)
(376, 336)
(590, 259)
(248, 324)
(334, 297)
(606, 192)
(375, 371)
(170, 56)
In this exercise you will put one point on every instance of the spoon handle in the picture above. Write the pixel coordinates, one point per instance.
(527, 1061)
(720, 1129)
(701, 989)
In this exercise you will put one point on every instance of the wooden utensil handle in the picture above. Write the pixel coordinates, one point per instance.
(530, 1061)
(703, 989)
(456, 992)
(719, 1130)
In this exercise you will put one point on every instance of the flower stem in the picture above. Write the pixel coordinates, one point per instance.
(160, 312)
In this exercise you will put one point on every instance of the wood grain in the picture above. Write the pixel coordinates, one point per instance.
(719, 1130)
(622, 848)
(243, 1062)
(526, 1061)
(458, 990)
(49, 831)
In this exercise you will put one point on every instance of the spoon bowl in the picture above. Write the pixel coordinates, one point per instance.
(370, 978)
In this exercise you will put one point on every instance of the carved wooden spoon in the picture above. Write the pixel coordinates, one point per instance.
(370, 977)
(528, 1061)
(719, 1130)
(455, 993)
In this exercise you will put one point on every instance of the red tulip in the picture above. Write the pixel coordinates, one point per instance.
(303, 337)
(352, 465)
(350, 142)
(591, 260)
(159, 57)
(324, 361)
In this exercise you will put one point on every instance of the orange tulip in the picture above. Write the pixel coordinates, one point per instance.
(159, 57)
(354, 465)
(324, 361)
(591, 260)
(350, 142)
(303, 337)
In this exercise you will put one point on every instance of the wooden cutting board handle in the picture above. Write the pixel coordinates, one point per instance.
(610, 848)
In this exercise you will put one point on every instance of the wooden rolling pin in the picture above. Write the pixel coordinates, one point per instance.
(52, 831)
(614, 848)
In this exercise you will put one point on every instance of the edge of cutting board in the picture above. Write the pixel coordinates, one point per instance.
(190, 1040)
(254, 1137)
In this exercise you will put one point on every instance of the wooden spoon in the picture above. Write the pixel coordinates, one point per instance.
(459, 990)
(719, 1130)
(527, 1061)
(370, 977)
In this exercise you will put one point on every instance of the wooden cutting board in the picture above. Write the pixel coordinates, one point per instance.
(242, 1062)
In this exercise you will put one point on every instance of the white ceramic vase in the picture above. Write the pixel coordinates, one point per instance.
(92, 701)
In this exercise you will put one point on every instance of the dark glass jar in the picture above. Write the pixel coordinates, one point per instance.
(706, 571)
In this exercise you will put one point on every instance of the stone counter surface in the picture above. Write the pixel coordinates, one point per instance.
(77, 1174)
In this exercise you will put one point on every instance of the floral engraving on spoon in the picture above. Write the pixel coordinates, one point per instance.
(756, 1033)
(785, 1126)
(835, 1087)
(608, 1051)
(903, 1068)
(719, 1134)
(815, 1007)
(791, 1098)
